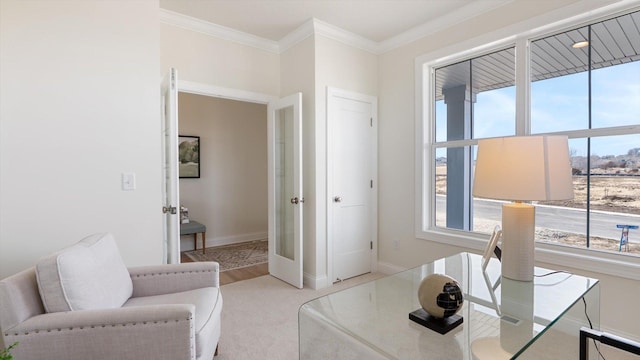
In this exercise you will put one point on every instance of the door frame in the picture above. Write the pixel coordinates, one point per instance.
(224, 93)
(217, 92)
(333, 93)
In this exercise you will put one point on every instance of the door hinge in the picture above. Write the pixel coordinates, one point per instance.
(371, 245)
(169, 209)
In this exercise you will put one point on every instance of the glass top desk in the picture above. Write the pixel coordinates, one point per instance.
(503, 319)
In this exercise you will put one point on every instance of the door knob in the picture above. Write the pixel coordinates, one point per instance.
(294, 200)
(337, 199)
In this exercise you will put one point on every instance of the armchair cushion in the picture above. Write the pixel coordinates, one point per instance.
(207, 312)
(88, 275)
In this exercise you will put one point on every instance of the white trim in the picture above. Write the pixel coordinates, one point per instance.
(345, 37)
(389, 269)
(315, 26)
(291, 39)
(331, 93)
(462, 14)
(223, 92)
(585, 259)
(531, 28)
(224, 240)
(623, 266)
(219, 31)
(630, 336)
(315, 282)
(627, 267)
(234, 239)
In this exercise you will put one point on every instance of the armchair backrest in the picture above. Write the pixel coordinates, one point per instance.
(87, 275)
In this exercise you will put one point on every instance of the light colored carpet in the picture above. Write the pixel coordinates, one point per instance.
(260, 317)
(234, 256)
(260, 320)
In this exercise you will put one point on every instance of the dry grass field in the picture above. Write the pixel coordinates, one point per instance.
(619, 194)
(608, 193)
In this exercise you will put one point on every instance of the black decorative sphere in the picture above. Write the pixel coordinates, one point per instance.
(440, 295)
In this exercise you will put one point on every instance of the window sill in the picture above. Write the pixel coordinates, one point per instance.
(561, 256)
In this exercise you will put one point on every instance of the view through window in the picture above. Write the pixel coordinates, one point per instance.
(585, 83)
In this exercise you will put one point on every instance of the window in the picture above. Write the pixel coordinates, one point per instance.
(473, 99)
(591, 93)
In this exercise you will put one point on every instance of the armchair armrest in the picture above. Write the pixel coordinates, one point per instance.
(163, 279)
(144, 332)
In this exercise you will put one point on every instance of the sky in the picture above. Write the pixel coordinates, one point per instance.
(561, 104)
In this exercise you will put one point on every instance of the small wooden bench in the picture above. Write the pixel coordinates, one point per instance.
(194, 227)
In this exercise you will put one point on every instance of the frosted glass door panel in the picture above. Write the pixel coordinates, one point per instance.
(284, 183)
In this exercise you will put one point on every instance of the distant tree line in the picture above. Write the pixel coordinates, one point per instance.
(630, 162)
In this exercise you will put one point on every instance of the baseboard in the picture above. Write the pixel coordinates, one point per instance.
(320, 282)
(314, 282)
(221, 240)
(620, 333)
(389, 269)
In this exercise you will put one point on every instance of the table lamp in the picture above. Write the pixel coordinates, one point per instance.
(522, 168)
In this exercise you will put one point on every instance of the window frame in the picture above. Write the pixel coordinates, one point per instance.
(425, 65)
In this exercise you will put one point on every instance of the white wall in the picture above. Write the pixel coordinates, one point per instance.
(79, 88)
(209, 60)
(344, 67)
(397, 156)
(310, 66)
(230, 197)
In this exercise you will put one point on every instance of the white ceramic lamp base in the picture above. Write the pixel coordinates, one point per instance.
(518, 249)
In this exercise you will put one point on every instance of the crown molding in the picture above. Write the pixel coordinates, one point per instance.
(317, 27)
(464, 13)
(302, 32)
(219, 31)
(345, 37)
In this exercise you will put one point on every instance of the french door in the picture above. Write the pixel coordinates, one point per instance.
(171, 193)
(285, 189)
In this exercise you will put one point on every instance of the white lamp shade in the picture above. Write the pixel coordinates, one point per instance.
(523, 168)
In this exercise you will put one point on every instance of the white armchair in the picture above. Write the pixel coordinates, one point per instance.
(82, 303)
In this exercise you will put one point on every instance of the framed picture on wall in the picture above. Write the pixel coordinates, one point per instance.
(189, 156)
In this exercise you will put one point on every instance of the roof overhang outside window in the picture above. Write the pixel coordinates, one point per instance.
(613, 42)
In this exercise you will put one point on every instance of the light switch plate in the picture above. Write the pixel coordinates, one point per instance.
(128, 181)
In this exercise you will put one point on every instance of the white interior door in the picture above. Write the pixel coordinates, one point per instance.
(351, 171)
(285, 189)
(171, 193)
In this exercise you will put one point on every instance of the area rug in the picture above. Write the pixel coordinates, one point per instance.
(234, 256)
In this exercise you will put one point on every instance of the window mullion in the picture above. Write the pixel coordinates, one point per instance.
(523, 87)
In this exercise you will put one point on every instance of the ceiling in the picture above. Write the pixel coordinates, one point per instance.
(376, 20)
(386, 20)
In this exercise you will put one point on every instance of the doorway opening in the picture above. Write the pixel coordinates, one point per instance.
(230, 196)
